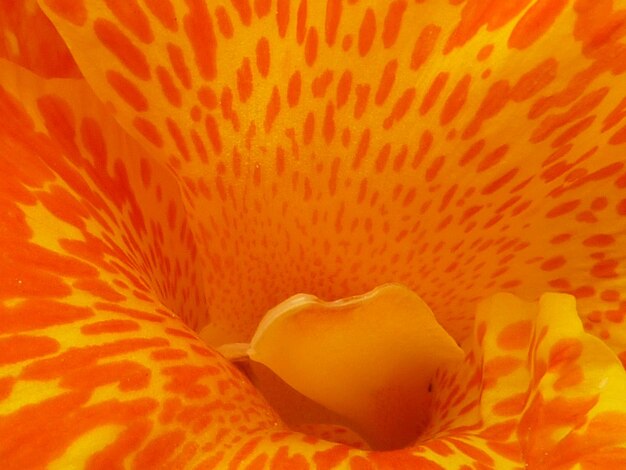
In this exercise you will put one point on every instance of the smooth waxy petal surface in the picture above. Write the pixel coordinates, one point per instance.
(369, 358)
(329, 147)
(534, 388)
(461, 148)
(28, 38)
(96, 371)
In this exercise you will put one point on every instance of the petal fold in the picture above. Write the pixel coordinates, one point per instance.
(96, 371)
(368, 358)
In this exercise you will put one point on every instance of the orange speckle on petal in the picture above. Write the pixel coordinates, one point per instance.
(367, 32)
(535, 22)
(123, 48)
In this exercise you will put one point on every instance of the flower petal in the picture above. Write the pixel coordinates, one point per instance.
(534, 389)
(28, 38)
(329, 147)
(368, 358)
(95, 254)
(100, 374)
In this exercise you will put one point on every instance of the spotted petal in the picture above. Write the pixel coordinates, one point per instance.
(535, 388)
(329, 147)
(96, 370)
(28, 38)
(321, 147)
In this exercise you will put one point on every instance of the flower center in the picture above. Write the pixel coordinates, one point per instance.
(364, 363)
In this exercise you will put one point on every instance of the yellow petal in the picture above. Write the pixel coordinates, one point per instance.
(369, 358)
(535, 389)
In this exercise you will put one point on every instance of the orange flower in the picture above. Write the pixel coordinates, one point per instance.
(176, 167)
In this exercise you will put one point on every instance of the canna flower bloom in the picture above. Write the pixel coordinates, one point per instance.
(174, 169)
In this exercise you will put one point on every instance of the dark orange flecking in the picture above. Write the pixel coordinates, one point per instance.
(172, 170)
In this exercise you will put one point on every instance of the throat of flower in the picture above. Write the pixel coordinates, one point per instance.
(363, 363)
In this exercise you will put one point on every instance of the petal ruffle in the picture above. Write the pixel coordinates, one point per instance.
(368, 358)
(535, 389)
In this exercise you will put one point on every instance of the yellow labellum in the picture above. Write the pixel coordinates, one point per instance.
(369, 358)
